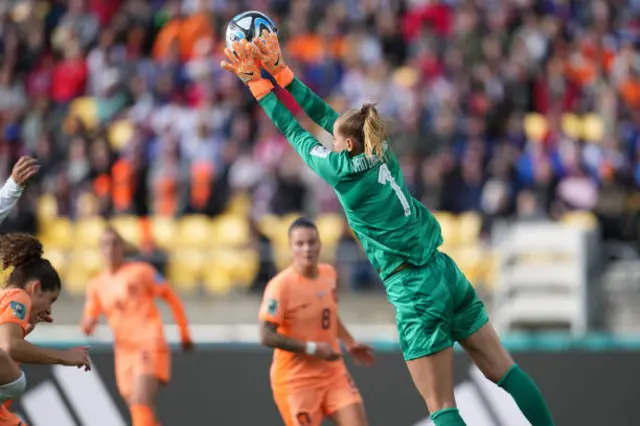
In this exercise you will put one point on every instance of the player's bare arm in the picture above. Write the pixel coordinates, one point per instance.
(270, 337)
(13, 343)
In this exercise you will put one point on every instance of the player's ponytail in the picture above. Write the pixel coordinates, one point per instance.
(374, 131)
(365, 126)
(23, 253)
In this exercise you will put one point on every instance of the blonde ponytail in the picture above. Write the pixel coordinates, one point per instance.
(374, 131)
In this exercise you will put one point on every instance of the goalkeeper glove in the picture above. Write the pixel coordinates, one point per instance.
(242, 62)
(270, 56)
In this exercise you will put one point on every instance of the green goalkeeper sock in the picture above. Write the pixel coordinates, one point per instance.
(447, 417)
(527, 395)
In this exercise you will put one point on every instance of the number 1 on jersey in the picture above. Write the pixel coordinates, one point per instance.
(384, 177)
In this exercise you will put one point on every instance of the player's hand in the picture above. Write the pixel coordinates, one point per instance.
(270, 56)
(78, 357)
(326, 352)
(187, 345)
(25, 169)
(362, 354)
(44, 317)
(88, 326)
(242, 61)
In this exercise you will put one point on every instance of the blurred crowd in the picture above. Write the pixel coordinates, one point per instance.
(514, 109)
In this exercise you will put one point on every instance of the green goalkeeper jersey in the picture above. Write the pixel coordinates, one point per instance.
(393, 227)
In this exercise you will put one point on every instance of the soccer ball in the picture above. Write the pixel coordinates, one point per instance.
(248, 25)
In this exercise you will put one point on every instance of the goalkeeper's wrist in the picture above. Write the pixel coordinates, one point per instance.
(260, 88)
(284, 76)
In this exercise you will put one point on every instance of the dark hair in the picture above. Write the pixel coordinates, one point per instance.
(302, 222)
(366, 126)
(23, 253)
(129, 249)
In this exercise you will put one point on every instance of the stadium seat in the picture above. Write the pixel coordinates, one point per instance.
(470, 260)
(84, 264)
(231, 231)
(469, 226)
(592, 128)
(282, 256)
(448, 227)
(87, 232)
(195, 231)
(128, 226)
(330, 227)
(46, 209)
(184, 270)
(228, 268)
(58, 233)
(239, 204)
(86, 109)
(580, 220)
(120, 133)
(58, 258)
(218, 281)
(271, 226)
(163, 231)
(572, 125)
(535, 127)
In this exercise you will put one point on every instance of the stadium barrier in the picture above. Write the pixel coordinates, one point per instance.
(228, 385)
(544, 277)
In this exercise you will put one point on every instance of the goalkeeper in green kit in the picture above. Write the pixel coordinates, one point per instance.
(435, 304)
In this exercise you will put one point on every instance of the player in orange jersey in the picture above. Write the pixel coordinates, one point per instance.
(32, 287)
(300, 320)
(125, 294)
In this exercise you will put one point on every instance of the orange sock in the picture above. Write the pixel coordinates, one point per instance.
(142, 415)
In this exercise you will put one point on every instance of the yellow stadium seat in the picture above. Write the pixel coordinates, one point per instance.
(86, 109)
(59, 233)
(572, 125)
(580, 219)
(120, 133)
(469, 259)
(88, 206)
(593, 128)
(271, 226)
(330, 228)
(84, 264)
(239, 204)
(58, 258)
(242, 265)
(195, 231)
(469, 227)
(289, 218)
(163, 231)
(185, 269)
(46, 208)
(535, 127)
(231, 231)
(448, 226)
(218, 281)
(128, 226)
(88, 231)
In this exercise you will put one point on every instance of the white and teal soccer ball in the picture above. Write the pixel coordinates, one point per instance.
(248, 25)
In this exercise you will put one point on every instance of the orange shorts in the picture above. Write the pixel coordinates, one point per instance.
(7, 418)
(309, 407)
(132, 362)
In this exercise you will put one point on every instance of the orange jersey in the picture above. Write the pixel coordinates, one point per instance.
(126, 298)
(307, 310)
(15, 307)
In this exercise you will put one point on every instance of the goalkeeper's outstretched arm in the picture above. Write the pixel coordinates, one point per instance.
(270, 56)
(328, 165)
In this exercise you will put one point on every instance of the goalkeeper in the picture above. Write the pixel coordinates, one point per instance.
(435, 304)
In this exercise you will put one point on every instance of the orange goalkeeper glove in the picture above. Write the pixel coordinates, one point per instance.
(242, 62)
(270, 56)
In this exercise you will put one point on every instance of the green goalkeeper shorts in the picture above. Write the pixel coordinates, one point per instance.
(435, 306)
